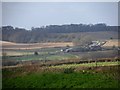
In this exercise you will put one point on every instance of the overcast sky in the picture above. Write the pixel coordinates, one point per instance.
(36, 14)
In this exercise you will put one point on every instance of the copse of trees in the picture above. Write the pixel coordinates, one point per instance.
(51, 32)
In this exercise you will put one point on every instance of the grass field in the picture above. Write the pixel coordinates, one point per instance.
(107, 77)
(43, 56)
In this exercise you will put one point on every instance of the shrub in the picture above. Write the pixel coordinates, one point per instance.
(67, 46)
(35, 53)
(68, 70)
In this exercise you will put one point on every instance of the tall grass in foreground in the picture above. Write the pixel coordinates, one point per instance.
(105, 77)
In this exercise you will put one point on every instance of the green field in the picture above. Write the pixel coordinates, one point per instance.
(60, 80)
(101, 77)
(45, 56)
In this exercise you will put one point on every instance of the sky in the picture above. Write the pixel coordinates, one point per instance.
(37, 14)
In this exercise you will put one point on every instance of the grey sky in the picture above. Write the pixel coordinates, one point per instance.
(36, 14)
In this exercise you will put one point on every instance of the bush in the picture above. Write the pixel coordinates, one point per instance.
(68, 70)
(67, 46)
(35, 53)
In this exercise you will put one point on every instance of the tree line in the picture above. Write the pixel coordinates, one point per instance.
(51, 32)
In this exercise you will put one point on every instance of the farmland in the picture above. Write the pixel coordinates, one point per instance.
(53, 68)
(10, 45)
(49, 53)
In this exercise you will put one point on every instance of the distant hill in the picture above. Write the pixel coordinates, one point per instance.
(58, 33)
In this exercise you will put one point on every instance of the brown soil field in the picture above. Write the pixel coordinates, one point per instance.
(10, 45)
(6, 43)
(112, 43)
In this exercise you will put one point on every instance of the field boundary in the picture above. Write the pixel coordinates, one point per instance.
(62, 62)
